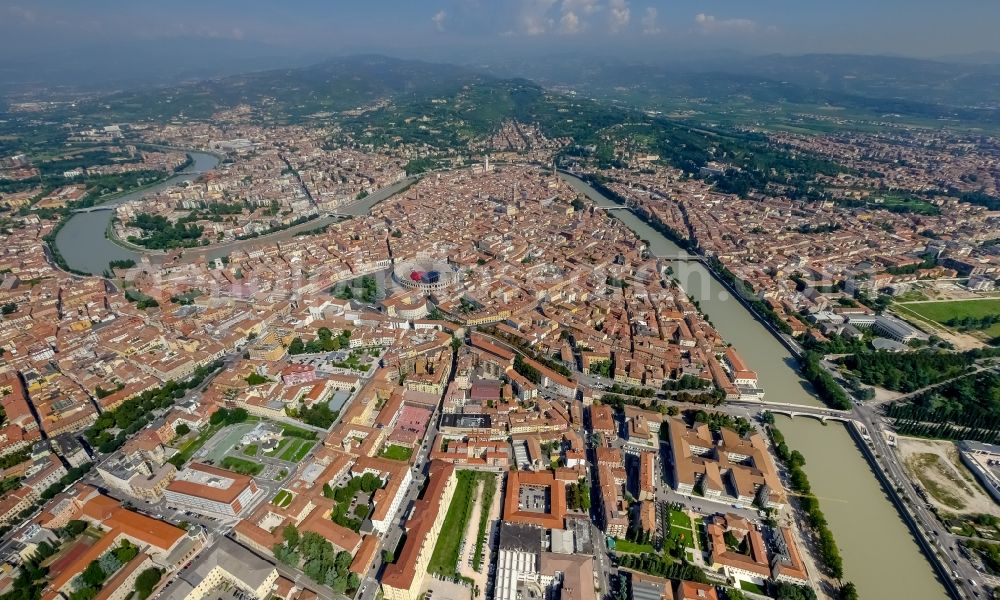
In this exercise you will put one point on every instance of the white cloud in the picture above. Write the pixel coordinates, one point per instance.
(438, 19)
(585, 7)
(620, 15)
(568, 17)
(650, 21)
(709, 24)
(534, 18)
(570, 23)
(22, 14)
(574, 13)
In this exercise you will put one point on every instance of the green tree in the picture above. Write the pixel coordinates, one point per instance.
(370, 482)
(85, 593)
(291, 535)
(849, 591)
(146, 581)
(93, 575)
(74, 528)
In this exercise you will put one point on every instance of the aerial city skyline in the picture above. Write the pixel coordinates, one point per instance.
(562, 299)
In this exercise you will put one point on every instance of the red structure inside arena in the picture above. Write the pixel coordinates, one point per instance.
(425, 276)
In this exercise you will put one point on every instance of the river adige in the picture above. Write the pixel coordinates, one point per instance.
(880, 555)
(84, 244)
(82, 240)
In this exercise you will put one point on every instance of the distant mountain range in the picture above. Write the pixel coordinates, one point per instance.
(129, 65)
(916, 87)
(874, 84)
(331, 86)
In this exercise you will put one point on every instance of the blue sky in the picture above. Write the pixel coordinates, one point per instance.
(463, 27)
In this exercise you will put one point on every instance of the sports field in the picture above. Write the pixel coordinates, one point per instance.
(943, 312)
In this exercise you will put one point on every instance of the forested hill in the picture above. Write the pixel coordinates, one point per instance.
(292, 94)
(383, 101)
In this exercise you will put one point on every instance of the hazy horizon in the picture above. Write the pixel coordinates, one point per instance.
(471, 30)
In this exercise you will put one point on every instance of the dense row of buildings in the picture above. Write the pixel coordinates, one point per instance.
(498, 367)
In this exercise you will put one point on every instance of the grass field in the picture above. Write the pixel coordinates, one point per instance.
(250, 450)
(489, 490)
(680, 519)
(941, 312)
(680, 526)
(296, 450)
(292, 431)
(239, 465)
(752, 587)
(283, 499)
(190, 447)
(304, 449)
(291, 449)
(394, 452)
(282, 444)
(633, 548)
(444, 560)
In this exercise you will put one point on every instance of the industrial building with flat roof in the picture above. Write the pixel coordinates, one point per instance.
(525, 571)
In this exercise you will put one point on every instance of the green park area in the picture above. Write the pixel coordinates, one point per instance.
(220, 444)
(681, 528)
(236, 420)
(632, 547)
(702, 532)
(444, 560)
(282, 499)
(486, 502)
(394, 452)
(751, 587)
(244, 467)
(291, 449)
(356, 492)
(971, 316)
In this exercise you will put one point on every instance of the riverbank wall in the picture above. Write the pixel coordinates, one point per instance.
(940, 567)
(926, 548)
(740, 296)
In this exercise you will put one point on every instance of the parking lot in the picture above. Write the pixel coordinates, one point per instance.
(534, 499)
